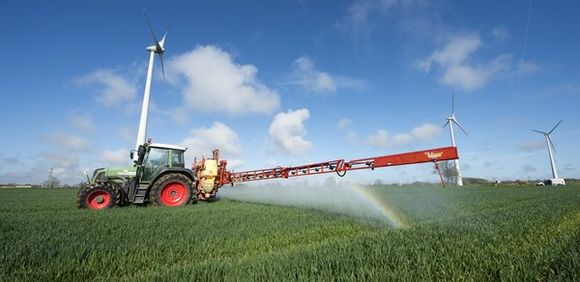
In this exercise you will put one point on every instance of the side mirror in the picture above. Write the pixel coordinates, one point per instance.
(131, 154)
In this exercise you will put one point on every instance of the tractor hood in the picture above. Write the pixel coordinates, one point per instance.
(114, 172)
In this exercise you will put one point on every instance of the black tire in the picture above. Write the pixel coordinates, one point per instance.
(171, 190)
(194, 197)
(122, 196)
(102, 195)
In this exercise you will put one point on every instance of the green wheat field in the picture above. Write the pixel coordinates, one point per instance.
(470, 233)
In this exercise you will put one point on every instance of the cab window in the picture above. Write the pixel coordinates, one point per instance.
(177, 159)
(157, 159)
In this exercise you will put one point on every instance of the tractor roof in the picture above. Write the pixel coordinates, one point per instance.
(167, 146)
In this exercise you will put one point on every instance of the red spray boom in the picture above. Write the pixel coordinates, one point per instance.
(340, 167)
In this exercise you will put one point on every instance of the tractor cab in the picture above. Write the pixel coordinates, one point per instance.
(155, 157)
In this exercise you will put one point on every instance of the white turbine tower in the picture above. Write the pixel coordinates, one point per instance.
(555, 179)
(153, 49)
(450, 121)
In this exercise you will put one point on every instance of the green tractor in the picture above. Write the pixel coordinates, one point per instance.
(158, 176)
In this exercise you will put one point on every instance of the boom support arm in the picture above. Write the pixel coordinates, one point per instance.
(339, 167)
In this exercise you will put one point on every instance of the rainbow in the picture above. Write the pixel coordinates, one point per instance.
(386, 212)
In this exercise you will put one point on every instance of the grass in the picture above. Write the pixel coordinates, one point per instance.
(470, 233)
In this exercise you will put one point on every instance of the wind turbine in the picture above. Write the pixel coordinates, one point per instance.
(157, 48)
(555, 179)
(450, 121)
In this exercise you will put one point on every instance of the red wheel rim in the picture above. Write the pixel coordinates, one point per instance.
(98, 199)
(173, 194)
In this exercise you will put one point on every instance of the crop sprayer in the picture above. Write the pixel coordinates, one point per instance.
(159, 175)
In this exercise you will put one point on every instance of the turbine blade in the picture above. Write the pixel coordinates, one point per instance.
(551, 143)
(160, 51)
(461, 127)
(446, 124)
(541, 132)
(150, 28)
(453, 102)
(162, 66)
(550, 132)
(163, 40)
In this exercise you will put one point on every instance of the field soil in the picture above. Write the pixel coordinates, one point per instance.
(429, 233)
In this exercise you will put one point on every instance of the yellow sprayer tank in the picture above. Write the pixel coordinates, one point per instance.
(208, 175)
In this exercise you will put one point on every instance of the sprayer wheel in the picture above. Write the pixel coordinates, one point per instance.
(171, 190)
(98, 196)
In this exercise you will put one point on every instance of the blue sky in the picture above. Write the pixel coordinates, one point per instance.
(288, 82)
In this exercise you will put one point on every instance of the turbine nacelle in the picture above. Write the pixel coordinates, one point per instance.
(156, 49)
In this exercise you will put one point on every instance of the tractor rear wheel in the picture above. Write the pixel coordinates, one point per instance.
(98, 196)
(171, 190)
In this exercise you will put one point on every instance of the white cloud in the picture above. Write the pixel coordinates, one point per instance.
(82, 122)
(35, 169)
(402, 139)
(67, 140)
(422, 133)
(288, 132)
(525, 68)
(455, 62)
(113, 89)
(180, 115)
(455, 52)
(344, 123)
(306, 75)
(215, 83)
(500, 33)
(426, 131)
(115, 157)
(63, 166)
(203, 141)
(379, 138)
(311, 79)
(532, 146)
(358, 21)
(60, 160)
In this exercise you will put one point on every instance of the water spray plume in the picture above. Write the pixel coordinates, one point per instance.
(345, 199)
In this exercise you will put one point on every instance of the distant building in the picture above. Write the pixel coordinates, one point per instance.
(6, 186)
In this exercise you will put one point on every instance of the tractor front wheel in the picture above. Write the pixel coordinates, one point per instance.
(98, 196)
(171, 190)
